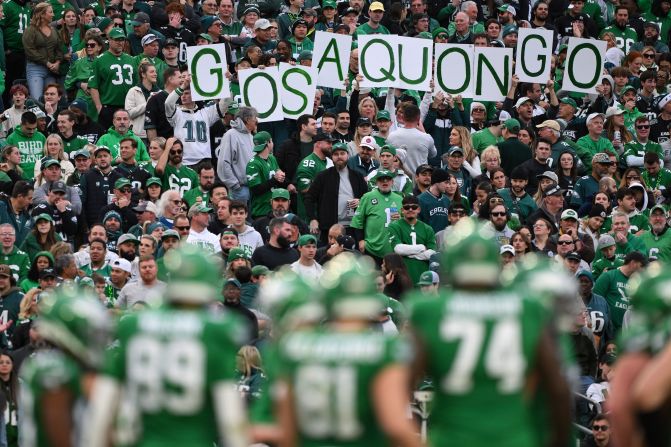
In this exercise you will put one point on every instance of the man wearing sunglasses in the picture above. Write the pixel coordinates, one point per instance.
(600, 432)
(635, 150)
(411, 238)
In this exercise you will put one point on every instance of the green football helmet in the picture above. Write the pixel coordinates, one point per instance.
(349, 289)
(471, 256)
(76, 322)
(195, 276)
(650, 293)
(291, 301)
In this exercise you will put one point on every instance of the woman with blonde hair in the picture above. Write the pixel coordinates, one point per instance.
(155, 148)
(461, 137)
(364, 128)
(138, 95)
(53, 148)
(43, 49)
(248, 364)
(28, 311)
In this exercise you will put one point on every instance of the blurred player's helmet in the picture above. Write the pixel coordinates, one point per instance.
(195, 275)
(76, 322)
(650, 293)
(349, 288)
(291, 301)
(471, 256)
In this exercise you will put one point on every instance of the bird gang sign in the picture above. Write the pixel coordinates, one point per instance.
(331, 57)
(584, 65)
(208, 67)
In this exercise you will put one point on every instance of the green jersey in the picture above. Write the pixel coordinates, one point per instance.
(624, 38)
(113, 76)
(661, 180)
(612, 285)
(260, 171)
(587, 148)
(601, 265)
(657, 246)
(484, 138)
(401, 232)
(47, 371)
(307, 170)
(104, 271)
(638, 150)
(18, 262)
(480, 347)
(180, 179)
(373, 216)
(74, 144)
(31, 149)
(17, 18)
(191, 195)
(332, 374)
(175, 400)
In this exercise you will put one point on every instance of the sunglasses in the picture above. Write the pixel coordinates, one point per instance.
(458, 212)
(643, 126)
(649, 55)
(91, 45)
(176, 152)
(498, 214)
(495, 200)
(600, 427)
(176, 202)
(183, 228)
(478, 110)
(126, 190)
(564, 242)
(410, 207)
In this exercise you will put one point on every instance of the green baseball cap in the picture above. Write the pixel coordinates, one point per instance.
(328, 4)
(388, 148)
(658, 207)
(280, 193)
(384, 173)
(120, 183)
(307, 239)
(44, 216)
(425, 35)
(50, 162)
(170, 233)
(439, 30)
(339, 147)
(199, 208)
(260, 270)
(81, 153)
(512, 124)
(627, 88)
(237, 253)
(153, 181)
(383, 115)
(261, 140)
(570, 102)
(206, 37)
(305, 55)
(116, 33)
(427, 278)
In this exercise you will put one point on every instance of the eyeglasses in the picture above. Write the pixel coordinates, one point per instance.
(183, 228)
(495, 200)
(478, 109)
(498, 214)
(125, 190)
(410, 207)
(564, 242)
(91, 45)
(600, 427)
(643, 126)
(6, 234)
(176, 202)
(649, 55)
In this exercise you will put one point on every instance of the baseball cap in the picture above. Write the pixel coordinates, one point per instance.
(146, 206)
(552, 124)
(346, 241)
(512, 124)
(310, 12)
(606, 241)
(140, 18)
(305, 55)
(591, 116)
(251, 8)
(153, 181)
(651, 25)
(307, 239)
(509, 29)
(570, 102)
(261, 140)
(49, 273)
(507, 8)
(236, 253)
(586, 274)
(601, 158)
(569, 214)
(170, 42)
(423, 168)
(80, 104)
(614, 111)
(207, 21)
(597, 210)
(101, 148)
(44, 216)
(376, 6)
(658, 208)
(428, 278)
(351, 10)
(523, 100)
(198, 209)
(122, 264)
(339, 147)
(5, 270)
(127, 238)
(627, 88)
(50, 162)
(297, 23)
(233, 281)
(507, 248)
(363, 121)
(368, 142)
(383, 115)
(383, 173)
(328, 4)
(388, 148)
(148, 38)
(260, 270)
(206, 37)
(280, 193)
(58, 186)
(116, 33)
(549, 175)
(120, 183)
(574, 256)
(454, 150)
(552, 189)
(82, 153)
(170, 233)
(262, 24)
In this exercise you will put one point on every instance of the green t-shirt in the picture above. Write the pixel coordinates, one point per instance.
(587, 148)
(17, 19)
(307, 170)
(612, 285)
(191, 195)
(624, 39)
(658, 247)
(31, 149)
(180, 179)
(47, 371)
(104, 271)
(366, 29)
(604, 264)
(18, 262)
(480, 348)
(332, 375)
(401, 232)
(113, 76)
(661, 180)
(484, 138)
(260, 171)
(373, 216)
(637, 149)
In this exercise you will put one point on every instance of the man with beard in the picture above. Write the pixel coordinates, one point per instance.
(434, 203)
(231, 293)
(541, 13)
(515, 198)
(280, 204)
(228, 240)
(657, 240)
(206, 177)
(536, 166)
(498, 223)
(172, 172)
(342, 132)
(277, 251)
(650, 39)
(310, 166)
(129, 168)
(85, 127)
(126, 247)
(148, 288)
(625, 36)
(587, 186)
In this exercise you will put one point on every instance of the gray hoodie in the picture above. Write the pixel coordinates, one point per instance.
(234, 153)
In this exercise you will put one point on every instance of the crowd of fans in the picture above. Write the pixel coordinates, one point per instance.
(107, 163)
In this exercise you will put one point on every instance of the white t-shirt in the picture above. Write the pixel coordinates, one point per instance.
(313, 271)
(206, 240)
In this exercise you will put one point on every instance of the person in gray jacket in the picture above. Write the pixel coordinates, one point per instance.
(235, 151)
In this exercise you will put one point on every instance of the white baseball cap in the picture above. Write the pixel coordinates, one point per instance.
(122, 264)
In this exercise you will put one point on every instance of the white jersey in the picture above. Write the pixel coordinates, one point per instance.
(205, 240)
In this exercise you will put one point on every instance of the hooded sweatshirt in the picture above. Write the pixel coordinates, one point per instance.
(112, 139)
(233, 154)
(9, 306)
(31, 149)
